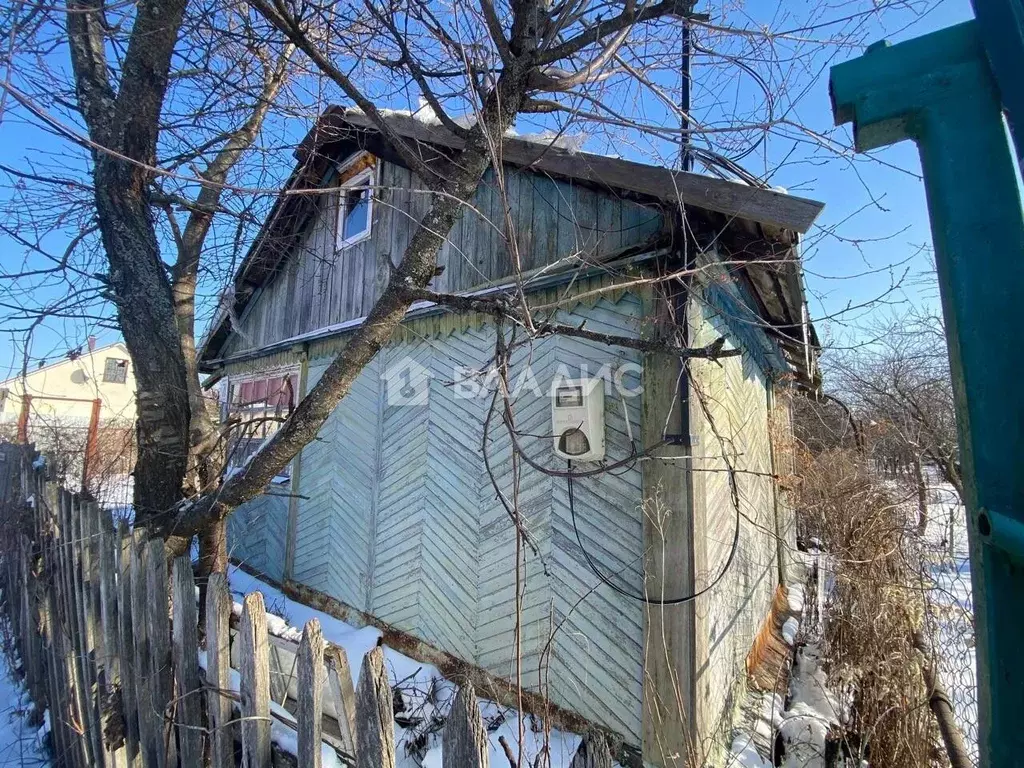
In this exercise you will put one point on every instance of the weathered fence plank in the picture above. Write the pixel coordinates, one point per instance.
(255, 683)
(189, 711)
(150, 725)
(375, 719)
(158, 632)
(110, 620)
(464, 741)
(339, 680)
(90, 616)
(88, 522)
(593, 752)
(31, 650)
(130, 674)
(71, 622)
(218, 663)
(311, 692)
(114, 725)
(72, 747)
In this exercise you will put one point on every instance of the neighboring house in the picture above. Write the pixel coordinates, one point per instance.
(70, 390)
(394, 510)
(80, 409)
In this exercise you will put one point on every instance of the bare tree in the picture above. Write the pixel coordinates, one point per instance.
(170, 101)
(900, 388)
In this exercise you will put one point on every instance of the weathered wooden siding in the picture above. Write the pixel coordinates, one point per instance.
(257, 533)
(402, 520)
(784, 460)
(335, 517)
(548, 220)
(733, 433)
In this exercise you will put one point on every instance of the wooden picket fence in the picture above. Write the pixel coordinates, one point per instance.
(113, 650)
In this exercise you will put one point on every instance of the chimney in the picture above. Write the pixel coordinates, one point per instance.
(92, 343)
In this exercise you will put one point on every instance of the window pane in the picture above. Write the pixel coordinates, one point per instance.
(115, 370)
(259, 393)
(357, 210)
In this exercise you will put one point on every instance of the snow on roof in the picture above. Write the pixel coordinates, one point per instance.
(571, 142)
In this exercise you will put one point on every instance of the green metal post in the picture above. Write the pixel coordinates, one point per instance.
(1002, 29)
(938, 91)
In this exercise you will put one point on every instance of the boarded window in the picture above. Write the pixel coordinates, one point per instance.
(115, 371)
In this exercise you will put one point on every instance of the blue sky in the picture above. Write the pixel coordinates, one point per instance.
(869, 253)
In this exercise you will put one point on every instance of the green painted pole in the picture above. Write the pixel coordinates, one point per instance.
(938, 91)
(1002, 29)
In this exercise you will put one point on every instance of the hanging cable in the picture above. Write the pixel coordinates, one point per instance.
(643, 598)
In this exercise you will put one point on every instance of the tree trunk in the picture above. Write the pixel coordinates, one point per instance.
(142, 294)
(213, 558)
(124, 123)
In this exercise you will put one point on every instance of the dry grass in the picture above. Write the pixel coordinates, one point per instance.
(873, 609)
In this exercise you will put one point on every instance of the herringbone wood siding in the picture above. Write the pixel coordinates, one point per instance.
(401, 519)
(256, 533)
(734, 432)
(334, 529)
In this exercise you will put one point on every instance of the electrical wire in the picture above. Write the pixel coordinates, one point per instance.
(643, 598)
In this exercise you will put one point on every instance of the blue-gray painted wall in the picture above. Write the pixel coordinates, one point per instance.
(402, 519)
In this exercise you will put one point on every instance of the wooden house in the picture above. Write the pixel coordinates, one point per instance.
(395, 515)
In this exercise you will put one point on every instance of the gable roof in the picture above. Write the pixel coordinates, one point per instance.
(735, 199)
(120, 346)
(763, 225)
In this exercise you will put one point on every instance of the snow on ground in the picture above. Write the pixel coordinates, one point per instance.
(425, 691)
(812, 711)
(745, 754)
(20, 743)
(789, 630)
(799, 723)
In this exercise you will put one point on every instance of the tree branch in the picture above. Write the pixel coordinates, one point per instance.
(505, 306)
(135, 122)
(278, 16)
(86, 41)
(600, 30)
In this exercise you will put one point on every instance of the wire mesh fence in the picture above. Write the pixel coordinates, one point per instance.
(949, 609)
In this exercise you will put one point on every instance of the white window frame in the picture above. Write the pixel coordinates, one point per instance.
(361, 179)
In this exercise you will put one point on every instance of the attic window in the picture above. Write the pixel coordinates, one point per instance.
(115, 371)
(355, 211)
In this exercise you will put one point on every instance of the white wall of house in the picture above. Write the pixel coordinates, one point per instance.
(63, 391)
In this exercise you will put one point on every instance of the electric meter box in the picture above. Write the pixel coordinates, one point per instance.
(577, 418)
